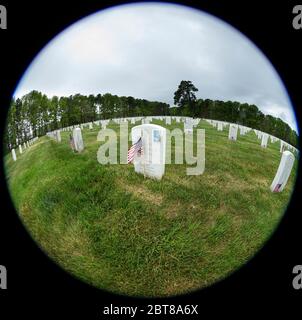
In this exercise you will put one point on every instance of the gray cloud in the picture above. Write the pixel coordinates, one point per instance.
(145, 50)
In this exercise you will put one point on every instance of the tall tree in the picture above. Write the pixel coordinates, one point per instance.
(185, 96)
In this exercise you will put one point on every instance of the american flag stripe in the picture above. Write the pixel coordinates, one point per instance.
(277, 188)
(135, 149)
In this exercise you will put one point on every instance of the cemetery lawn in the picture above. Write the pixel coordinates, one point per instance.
(132, 235)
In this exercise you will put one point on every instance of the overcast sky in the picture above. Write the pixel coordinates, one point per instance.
(145, 51)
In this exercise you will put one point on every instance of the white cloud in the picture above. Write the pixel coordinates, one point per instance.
(145, 50)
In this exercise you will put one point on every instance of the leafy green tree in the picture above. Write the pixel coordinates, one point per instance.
(185, 96)
(34, 114)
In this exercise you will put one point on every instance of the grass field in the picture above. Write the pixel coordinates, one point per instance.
(132, 235)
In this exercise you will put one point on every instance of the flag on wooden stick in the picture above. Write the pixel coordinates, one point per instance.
(135, 149)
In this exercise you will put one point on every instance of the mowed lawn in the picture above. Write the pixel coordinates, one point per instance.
(132, 235)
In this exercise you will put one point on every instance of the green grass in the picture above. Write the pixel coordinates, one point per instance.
(132, 235)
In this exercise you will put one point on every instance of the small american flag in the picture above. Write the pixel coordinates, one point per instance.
(277, 188)
(135, 149)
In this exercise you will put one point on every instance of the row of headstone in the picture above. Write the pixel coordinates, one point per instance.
(195, 121)
(277, 185)
(263, 136)
(286, 146)
(286, 163)
(82, 126)
(56, 134)
(168, 120)
(151, 162)
(220, 126)
(148, 119)
(104, 123)
(75, 139)
(274, 139)
(258, 134)
(217, 124)
(233, 131)
(26, 145)
(188, 124)
(244, 130)
(145, 121)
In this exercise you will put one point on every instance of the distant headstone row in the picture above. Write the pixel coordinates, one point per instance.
(75, 139)
(189, 123)
(262, 136)
(26, 145)
(279, 182)
(56, 134)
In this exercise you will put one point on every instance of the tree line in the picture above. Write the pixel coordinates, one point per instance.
(240, 113)
(229, 111)
(34, 114)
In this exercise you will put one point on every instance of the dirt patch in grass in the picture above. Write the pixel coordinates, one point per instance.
(142, 193)
(229, 182)
(25, 210)
(262, 181)
(182, 180)
(173, 210)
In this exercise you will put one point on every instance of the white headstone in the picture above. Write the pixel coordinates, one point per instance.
(78, 140)
(220, 126)
(151, 162)
(264, 140)
(242, 130)
(188, 127)
(14, 155)
(273, 139)
(283, 172)
(195, 122)
(58, 135)
(168, 120)
(233, 132)
(20, 148)
(90, 126)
